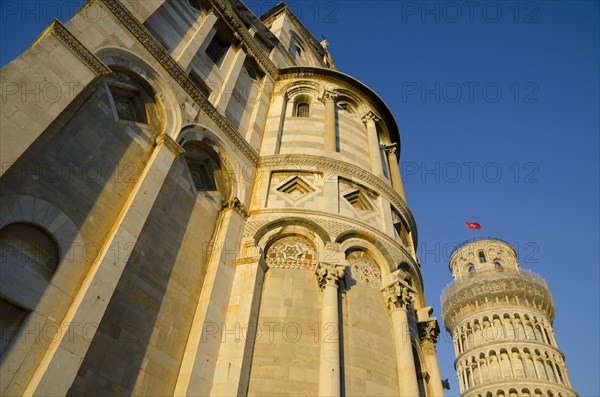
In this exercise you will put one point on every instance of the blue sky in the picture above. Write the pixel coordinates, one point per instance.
(497, 104)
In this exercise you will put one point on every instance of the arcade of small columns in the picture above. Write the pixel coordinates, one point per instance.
(538, 358)
(398, 299)
(370, 119)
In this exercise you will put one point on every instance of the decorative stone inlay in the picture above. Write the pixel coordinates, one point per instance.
(397, 296)
(296, 190)
(291, 253)
(329, 274)
(358, 201)
(331, 166)
(363, 270)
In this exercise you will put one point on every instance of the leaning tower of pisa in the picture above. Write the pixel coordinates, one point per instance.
(500, 317)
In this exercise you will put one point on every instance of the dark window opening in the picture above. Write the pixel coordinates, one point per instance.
(302, 109)
(216, 50)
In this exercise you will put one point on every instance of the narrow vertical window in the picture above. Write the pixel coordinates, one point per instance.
(302, 109)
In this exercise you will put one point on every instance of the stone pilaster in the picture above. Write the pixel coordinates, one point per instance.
(329, 277)
(370, 119)
(398, 299)
(232, 373)
(199, 362)
(428, 333)
(329, 98)
(392, 154)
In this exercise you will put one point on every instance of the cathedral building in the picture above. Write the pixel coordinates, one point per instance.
(194, 201)
(500, 317)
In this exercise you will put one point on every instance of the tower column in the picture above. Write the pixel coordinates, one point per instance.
(329, 277)
(398, 300)
(392, 154)
(374, 149)
(429, 332)
(329, 98)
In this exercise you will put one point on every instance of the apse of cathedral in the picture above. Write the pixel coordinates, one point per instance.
(210, 208)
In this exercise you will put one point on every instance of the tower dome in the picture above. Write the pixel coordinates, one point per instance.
(500, 317)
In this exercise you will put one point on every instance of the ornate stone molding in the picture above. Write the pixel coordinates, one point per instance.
(397, 296)
(330, 165)
(329, 96)
(236, 205)
(329, 274)
(392, 149)
(223, 9)
(370, 116)
(146, 38)
(429, 331)
(60, 31)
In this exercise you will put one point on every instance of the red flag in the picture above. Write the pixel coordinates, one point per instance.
(473, 226)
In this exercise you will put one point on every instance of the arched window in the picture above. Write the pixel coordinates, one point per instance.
(471, 268)
(205, 168)
(302, 109)
(298, 52)
(28, 259)
(133, 98)
(29, 246)
(497, 265)
(481, 257)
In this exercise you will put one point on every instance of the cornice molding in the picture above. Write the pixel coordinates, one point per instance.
(86, 56)
(139, 31)
(348, 170)
(226, 12)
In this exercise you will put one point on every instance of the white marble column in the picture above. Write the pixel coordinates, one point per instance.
(429, 332)
(374, 148)
(392, 154)
(329, 277)
(329, 98)
(398, 300)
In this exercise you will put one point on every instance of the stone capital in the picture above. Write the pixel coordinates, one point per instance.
(370, 116)
(391, 149)
(329, 96)
(329, 274)
(429, 331)
(397, 296)
(236, 205)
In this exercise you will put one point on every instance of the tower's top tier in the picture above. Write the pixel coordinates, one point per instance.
(480, 255)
